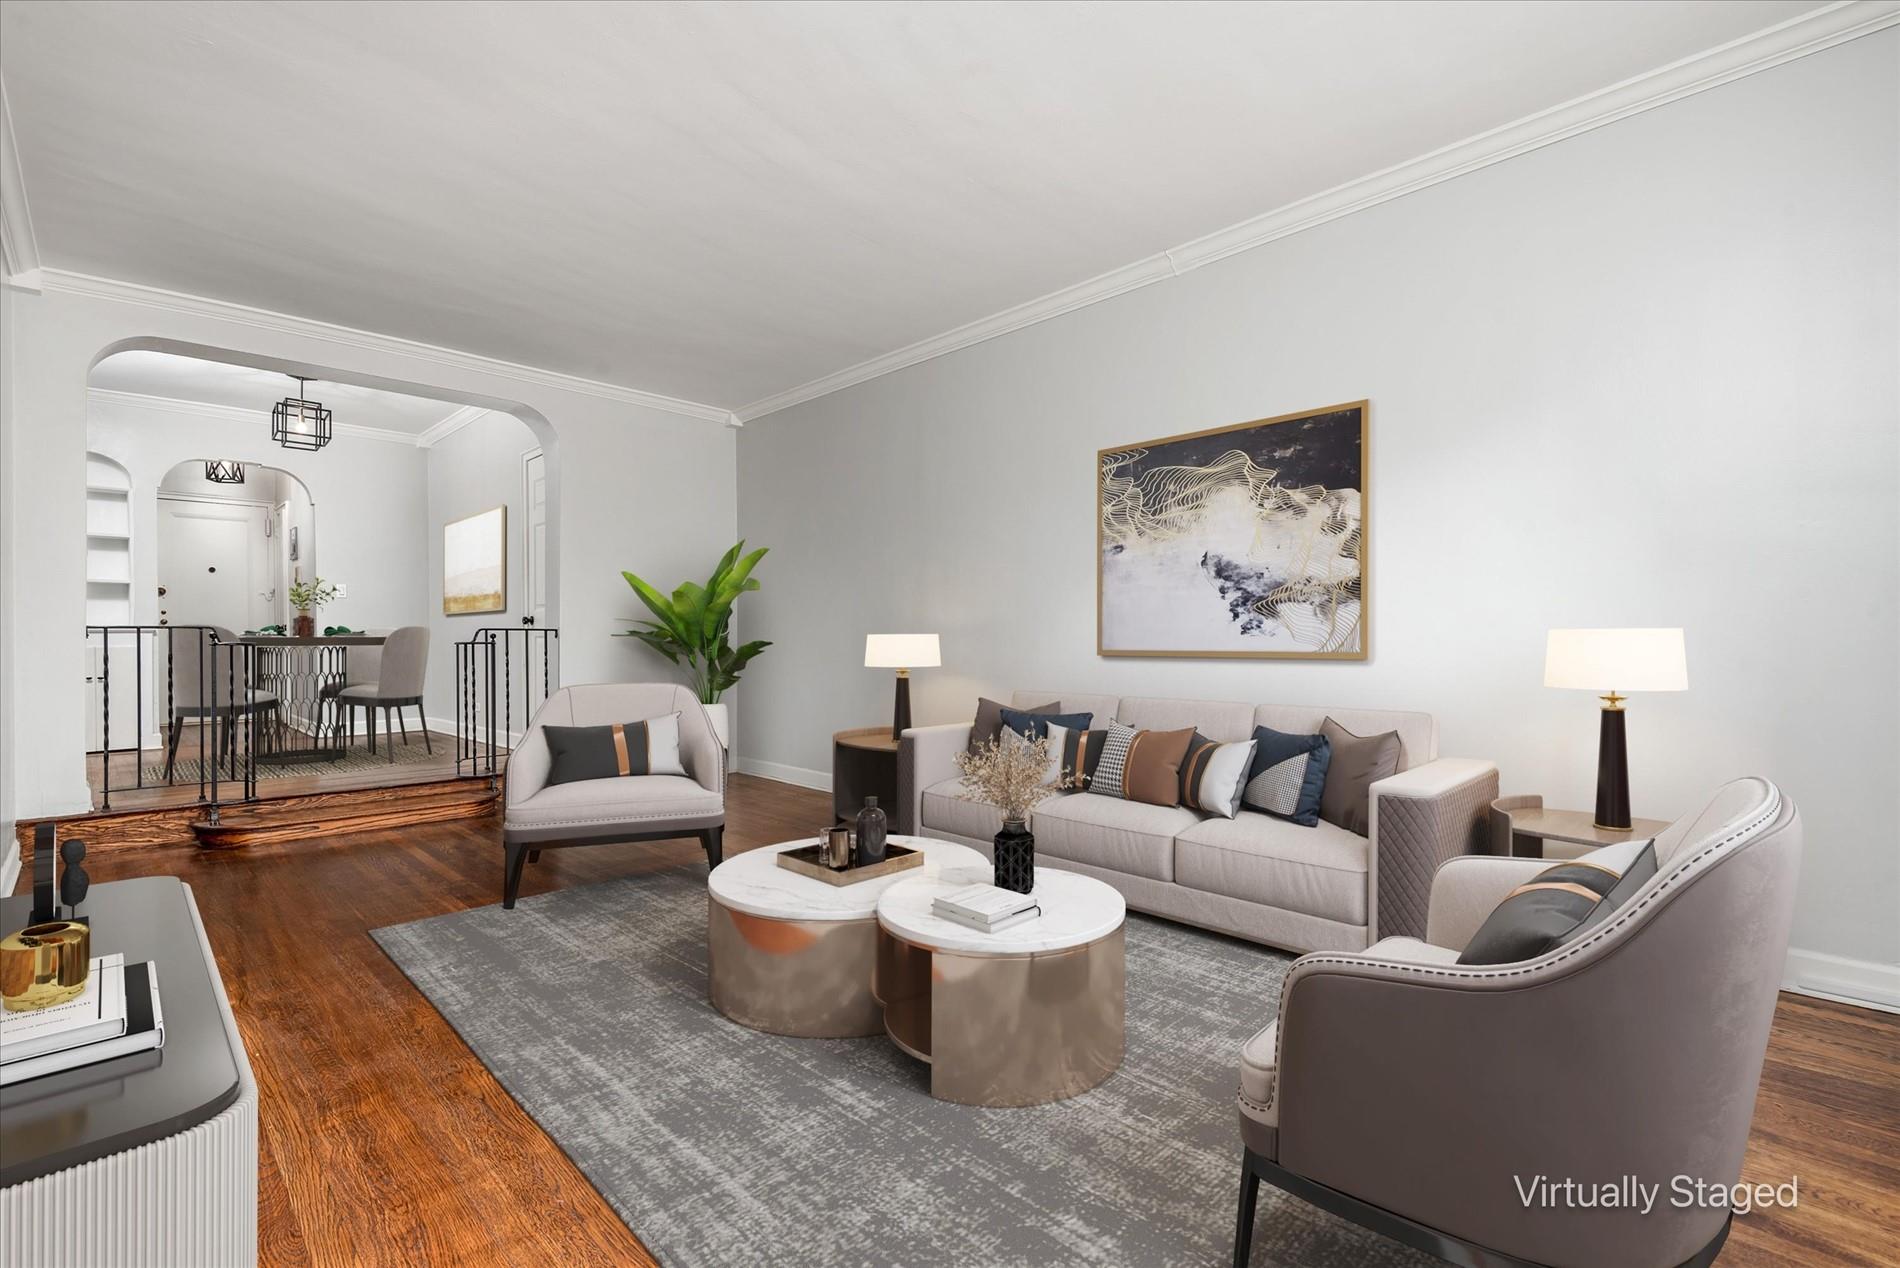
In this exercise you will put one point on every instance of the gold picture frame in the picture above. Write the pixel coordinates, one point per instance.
(475, 563)
(1161, 503)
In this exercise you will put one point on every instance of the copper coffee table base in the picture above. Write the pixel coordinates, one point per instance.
(808, 978)
(1006, 1030)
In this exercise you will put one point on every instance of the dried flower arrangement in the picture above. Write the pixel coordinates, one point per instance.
(1009, 773)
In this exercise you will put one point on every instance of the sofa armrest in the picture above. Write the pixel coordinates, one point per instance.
(926, 755)
(1419, 818)
(527, 771)
(1467, 890)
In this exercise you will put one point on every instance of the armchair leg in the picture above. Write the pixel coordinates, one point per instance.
(714, 839)
(1249, 1199)
(515, 856)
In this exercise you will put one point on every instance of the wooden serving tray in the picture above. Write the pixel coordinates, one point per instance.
(807, 860)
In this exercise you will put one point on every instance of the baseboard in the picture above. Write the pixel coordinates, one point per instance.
(446, 726)
(821, 780)
(1862, 982)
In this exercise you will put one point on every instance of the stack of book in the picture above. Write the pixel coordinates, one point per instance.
(986, 908)
(116, 1015)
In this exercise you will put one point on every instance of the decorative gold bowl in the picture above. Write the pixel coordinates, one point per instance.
(45, 964)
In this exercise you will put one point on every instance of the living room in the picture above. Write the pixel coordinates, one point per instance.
(1252, 490)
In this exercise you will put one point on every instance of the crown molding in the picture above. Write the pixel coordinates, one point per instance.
(19, 249)
(435, 435)
(237, 414)
(1799, 36)
(66, 282)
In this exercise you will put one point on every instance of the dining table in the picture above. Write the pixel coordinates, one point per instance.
(307, 676)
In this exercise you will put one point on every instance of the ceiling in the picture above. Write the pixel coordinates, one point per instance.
(721, 201)
(216, 383)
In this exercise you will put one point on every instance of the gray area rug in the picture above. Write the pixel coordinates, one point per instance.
(719, 1145)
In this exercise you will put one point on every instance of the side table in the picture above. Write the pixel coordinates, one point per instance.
(864, 764)
(1521, 827)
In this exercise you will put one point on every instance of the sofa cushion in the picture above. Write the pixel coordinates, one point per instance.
(1319, 871)
(941, 809)
(1213, 775)
(622, 750)
(1123, 836)
(1034, 726)
(1287, 775)
(989, 719)
(606, 803)
(1410, 951)
(1417, 732)
(1356, 764)
(1141, 765)
(1223, 721)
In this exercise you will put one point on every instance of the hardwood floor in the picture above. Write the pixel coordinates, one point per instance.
(384, 1141)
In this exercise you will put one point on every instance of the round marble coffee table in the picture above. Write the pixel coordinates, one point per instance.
(793, 955)
(1021, 1017)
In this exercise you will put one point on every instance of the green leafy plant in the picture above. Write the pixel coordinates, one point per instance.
(691, 626)
(313, 593)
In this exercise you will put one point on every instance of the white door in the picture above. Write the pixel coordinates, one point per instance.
(280, 565)
(213, 563)
(535, 564)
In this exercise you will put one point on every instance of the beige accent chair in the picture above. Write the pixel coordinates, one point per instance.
(538, 816)
(1415, 1097)
(1321, 888)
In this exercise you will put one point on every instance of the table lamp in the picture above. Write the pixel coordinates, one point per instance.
(1612, 662)
(902, 652)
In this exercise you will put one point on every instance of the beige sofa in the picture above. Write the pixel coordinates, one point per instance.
(1307, 889)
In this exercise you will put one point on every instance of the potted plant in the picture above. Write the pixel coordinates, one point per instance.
(304, 597)
(691, 628)
(1012, 774)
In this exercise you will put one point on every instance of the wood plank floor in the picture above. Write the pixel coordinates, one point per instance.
(386, 1142)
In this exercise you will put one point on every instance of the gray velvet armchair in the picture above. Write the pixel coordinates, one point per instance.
(537, 816)
(1423, 1099)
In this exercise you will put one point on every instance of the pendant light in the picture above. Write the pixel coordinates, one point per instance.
(300, 424)
(224, 471)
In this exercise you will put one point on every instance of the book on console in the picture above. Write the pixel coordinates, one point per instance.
(143, 1029)
(97, 1012)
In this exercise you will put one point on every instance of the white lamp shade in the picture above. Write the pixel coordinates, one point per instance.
(901, 651)
(1616, 660)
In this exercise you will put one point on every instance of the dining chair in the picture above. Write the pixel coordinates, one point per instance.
(399, 682)
(204, 665)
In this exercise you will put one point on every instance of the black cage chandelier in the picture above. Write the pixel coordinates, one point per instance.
(224, 471)
(300, 424)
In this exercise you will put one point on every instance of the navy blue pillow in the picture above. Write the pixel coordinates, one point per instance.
(1287, 775)
(1035, 726)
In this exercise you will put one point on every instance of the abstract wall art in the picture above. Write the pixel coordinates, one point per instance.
(1245, 541)
(475, 563)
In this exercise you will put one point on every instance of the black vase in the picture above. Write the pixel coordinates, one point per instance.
(871, 833)
(1015, 858)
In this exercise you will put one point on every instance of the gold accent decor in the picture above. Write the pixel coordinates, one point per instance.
(45, 964)
(809, 860)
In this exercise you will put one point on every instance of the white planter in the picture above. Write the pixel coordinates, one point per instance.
(721, 723)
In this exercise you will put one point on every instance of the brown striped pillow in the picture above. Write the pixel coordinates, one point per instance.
(1141, 765)
(648, 747)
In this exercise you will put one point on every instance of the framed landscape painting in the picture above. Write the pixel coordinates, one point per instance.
(1245, 541)
(475, 564)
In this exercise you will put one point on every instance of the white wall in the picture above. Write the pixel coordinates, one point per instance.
(368, 501)
(476, 468)
(631, 486)
(9, 847)
(1646, 376)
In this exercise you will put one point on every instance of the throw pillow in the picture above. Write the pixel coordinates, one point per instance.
(1141, 765)
(651, 747)
(1560, 904)
(1358, 762)
(1213, 776)
(1075, 753)
(989, 720)
(1033, 726)
(1064, 744)
(1288, 775)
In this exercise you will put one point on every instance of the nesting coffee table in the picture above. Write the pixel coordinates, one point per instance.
(794, 956)
(1021, 1017)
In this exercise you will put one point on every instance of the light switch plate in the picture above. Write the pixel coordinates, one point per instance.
(342, 591)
